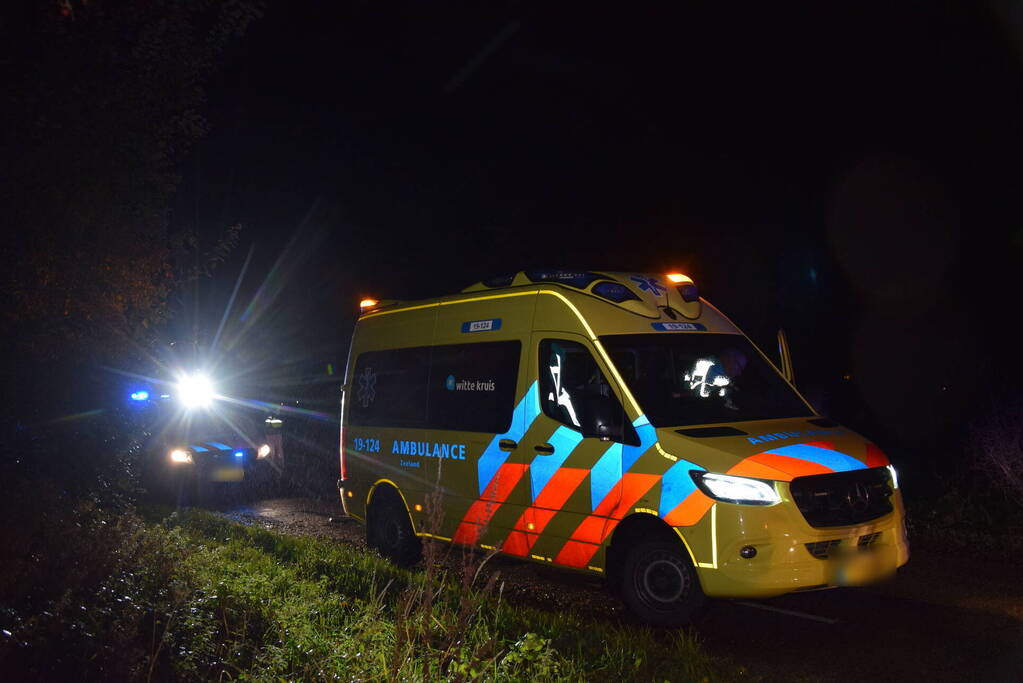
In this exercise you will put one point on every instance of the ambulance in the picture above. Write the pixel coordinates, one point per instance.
(610, 423)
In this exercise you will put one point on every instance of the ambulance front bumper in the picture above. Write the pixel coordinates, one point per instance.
(789, 555)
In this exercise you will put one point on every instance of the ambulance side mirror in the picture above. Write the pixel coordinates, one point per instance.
(786, 358)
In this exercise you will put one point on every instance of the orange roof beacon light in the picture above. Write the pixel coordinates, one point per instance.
(367, 304)
(678, 278)
(687, 288)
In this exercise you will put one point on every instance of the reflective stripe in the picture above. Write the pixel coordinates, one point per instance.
(482, 511)
(875, 456)
(493, 457)
(605, 474)
(548, 503)
(560, 487)
(576, 554)
(647, 438)
(517, 543)
(543, 467)
(690, 511)
(832, 459)
(788, 467)
(676, 485)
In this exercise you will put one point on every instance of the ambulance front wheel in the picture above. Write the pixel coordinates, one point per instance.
(660, 585)
(389, 529)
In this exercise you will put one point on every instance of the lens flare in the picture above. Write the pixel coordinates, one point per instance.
(195, 391)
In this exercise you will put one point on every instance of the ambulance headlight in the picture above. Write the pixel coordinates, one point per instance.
(894, 475)
(178, 455)
(740, 490)
(263, 451)
(195, 391)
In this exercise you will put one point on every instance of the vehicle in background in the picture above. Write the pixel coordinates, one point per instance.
(202, 447)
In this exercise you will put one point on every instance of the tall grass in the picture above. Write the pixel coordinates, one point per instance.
(197, 597)
(289, 607)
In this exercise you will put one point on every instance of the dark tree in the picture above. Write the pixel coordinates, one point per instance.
(101, 100)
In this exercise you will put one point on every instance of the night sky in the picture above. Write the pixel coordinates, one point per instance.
(847, 171)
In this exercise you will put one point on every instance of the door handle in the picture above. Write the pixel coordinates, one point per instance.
(507, 445)
(544, 449)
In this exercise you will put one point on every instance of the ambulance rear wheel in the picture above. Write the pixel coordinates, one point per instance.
(389, 529)
(660, 585)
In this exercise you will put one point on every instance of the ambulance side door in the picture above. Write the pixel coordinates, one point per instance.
(478, 403)
(576, 441)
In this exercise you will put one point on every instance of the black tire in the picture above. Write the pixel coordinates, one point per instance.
(660, 586)
(389, 529)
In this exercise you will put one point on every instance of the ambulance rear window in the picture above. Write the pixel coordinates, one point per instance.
(389, 388)
(696, 379)
(463, 387)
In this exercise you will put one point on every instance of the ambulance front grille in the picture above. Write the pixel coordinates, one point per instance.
(822, 549)
(869, 539)
(843, 498)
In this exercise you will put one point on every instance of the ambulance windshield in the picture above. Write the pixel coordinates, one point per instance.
(695, 379)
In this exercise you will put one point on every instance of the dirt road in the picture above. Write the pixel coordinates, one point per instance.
(942, 618)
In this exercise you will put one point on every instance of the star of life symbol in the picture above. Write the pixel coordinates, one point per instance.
(649, 284)
(367, 387)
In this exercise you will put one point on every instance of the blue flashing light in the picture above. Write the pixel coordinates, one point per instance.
(614, 291)
(689, 292)
(140, 395)
(239, 454)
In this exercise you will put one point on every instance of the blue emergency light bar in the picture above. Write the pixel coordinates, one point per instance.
(141, 395)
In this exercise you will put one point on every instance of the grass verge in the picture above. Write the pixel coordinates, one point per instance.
(198, 597)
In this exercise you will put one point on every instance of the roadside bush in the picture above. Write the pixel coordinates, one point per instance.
(978, 504)
(996, 442)
(83, 594)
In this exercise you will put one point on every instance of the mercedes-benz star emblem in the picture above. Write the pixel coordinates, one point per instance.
(858, 496)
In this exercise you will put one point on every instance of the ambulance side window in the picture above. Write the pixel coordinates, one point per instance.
(389, 388)
(575, 392)
(472, 386)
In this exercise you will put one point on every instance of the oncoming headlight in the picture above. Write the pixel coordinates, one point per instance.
(731, 489)
(178, 455)
(195, 391)
(263, 451)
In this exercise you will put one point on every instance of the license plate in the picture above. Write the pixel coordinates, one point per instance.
(228, 474)
(863, 566)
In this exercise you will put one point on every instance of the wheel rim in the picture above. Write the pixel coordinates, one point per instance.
(390, 534)
(662, 581)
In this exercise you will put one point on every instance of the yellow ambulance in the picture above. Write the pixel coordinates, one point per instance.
(613, 423)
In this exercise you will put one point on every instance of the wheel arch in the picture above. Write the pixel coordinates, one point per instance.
(387, 488)
(637, 527)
